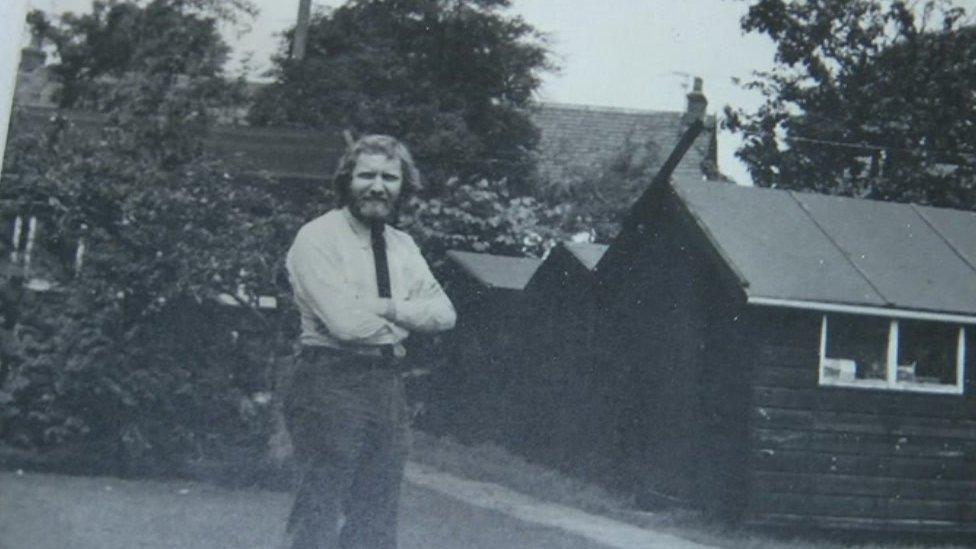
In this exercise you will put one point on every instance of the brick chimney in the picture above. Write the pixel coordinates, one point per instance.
(696, 104)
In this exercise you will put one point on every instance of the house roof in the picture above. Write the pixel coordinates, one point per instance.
(496, 271)
(587, 253)
(574, 139)
(282, 152)
(577, 139)
(807, 249)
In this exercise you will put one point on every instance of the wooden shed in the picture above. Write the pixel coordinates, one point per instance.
(798, 359)
(468, 394)
(560, 377)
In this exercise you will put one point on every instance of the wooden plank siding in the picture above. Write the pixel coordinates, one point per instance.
(866, 507)
(915, 526)
(725, 400)
(835, 457)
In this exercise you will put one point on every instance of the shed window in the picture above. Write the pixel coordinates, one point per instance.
(856, 348)
(909, 355)
(927, 352)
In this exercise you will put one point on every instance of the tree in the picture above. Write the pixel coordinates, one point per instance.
(453, 78)
(132, 351)
(154, 68)
(868, 98)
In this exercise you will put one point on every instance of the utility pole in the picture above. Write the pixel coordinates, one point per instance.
(301, 30)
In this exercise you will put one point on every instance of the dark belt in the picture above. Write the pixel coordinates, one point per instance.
(375, 357)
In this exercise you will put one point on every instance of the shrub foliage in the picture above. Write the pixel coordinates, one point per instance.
(132, 350)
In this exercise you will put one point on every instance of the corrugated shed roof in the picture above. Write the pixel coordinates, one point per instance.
(496, 271)
(587, 253)
(577, 139)
(825, 249)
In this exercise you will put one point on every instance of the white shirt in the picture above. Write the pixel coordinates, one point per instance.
(332, 273)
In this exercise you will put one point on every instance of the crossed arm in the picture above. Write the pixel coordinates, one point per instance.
(426, 308)
(368, 320)
(357, 320)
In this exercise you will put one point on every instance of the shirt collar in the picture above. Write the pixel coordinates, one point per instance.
(359, 229)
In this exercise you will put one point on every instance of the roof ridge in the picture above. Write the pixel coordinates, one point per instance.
(803, 192)
(515, 274)
(500, 256)
(601, 108)
(834, 243)
(579, 249)
(595, 244)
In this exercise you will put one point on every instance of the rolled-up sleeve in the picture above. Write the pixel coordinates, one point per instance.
(426, 308)
(316, 279)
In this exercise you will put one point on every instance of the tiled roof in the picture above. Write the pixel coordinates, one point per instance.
(280, 152)
(576, 140)
(820, 249)
(496, 271)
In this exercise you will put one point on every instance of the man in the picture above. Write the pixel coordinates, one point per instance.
(361, 286)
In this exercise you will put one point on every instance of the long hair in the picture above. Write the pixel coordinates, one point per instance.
(375, 144)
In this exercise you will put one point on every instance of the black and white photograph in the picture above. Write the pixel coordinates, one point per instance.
(487, 274)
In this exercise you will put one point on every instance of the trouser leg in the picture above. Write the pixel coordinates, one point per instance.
(314, 521)
(373, 509)
(329, 441)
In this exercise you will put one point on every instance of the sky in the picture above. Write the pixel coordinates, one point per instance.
(638, 54)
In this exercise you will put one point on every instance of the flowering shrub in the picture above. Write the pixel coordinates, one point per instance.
(484, 217)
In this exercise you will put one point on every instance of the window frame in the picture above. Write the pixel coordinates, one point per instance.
(891, 383)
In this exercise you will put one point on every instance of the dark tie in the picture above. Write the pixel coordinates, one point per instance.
(379, 260)
(382, 271)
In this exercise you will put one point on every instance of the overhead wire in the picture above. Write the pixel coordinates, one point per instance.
(874, 147)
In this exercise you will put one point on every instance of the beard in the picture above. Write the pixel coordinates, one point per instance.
(373, 208)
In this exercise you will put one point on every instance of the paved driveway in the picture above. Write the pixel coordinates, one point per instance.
(55, 512)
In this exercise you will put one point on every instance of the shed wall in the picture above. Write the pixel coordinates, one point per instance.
(561, 375)
(677, 352)
(843, 457)
(468, 393)
(725, 400)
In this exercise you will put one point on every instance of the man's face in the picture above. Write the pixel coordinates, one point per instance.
(375, 187)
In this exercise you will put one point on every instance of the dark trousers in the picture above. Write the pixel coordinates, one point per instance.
(348, 421)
